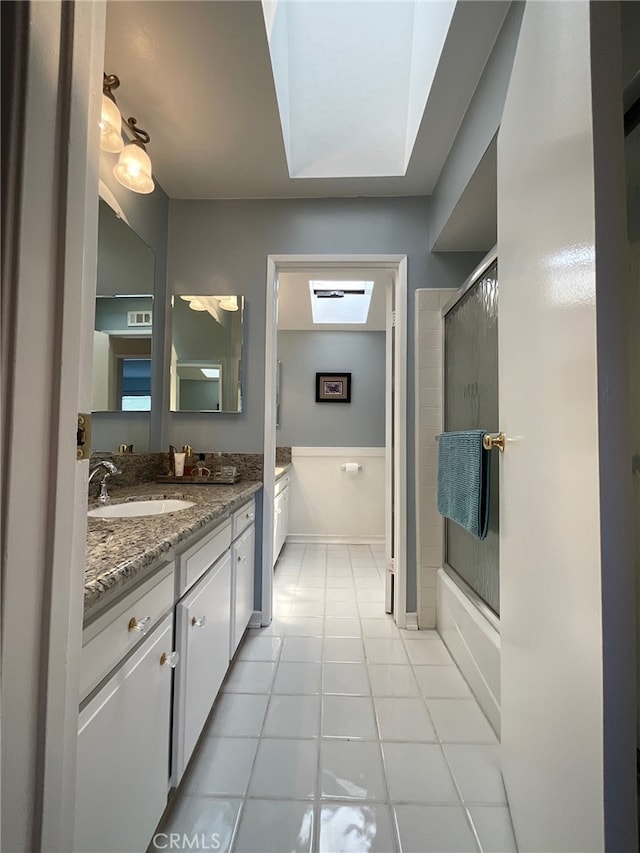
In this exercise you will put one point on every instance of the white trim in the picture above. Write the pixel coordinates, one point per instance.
(299, 263)
(337, 451)
(256, 619)
(388, 461)
(321, 539)
(412, 621)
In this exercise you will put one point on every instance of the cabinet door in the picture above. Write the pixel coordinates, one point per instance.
(243, 566)
(284, 516)
(123, 752)
(277, 526)
(203, 619)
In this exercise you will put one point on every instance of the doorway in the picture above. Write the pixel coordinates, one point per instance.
(395, 418)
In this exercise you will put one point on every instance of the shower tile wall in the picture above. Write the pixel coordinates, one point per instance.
(429, 420)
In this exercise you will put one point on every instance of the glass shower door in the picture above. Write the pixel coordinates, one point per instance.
(471, 402)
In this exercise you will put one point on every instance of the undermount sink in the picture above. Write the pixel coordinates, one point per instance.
(135, 509)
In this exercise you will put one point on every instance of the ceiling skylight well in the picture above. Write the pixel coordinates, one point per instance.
(337, 302)
(352, 80)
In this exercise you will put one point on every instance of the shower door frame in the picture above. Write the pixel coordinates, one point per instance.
(489, 614)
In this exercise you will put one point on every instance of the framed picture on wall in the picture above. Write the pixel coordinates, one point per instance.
(333, 387)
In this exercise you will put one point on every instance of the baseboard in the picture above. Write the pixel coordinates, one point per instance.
(318, 539)
(412, 622)
(256, 619)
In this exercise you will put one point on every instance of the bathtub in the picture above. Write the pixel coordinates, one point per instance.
(471, 633)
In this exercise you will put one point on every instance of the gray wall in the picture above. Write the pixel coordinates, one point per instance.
(222, 247)
(305, 423)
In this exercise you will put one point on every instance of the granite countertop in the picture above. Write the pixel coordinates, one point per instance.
(118, 549)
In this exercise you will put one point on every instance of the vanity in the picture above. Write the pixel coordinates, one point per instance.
(167, 600)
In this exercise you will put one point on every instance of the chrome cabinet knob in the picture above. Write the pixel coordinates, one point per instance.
(242, 558)
(251, 516)
(199, 622)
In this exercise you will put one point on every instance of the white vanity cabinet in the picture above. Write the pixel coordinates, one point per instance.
(242, 573)
(203, 619)
(123, 750)
(281, 515)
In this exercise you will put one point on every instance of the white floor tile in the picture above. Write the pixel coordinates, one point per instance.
(348, 717)
(442, 682)
(460, 721)
(343, 582)
(304, 609)
(343, 649)
(250, 677)
(302, 649)
(346, 679)
(341, 609)
(372, 610)
(371, 595)
(339, 569)
(300, 678)
(196, 817)
(340, 594)
(434, 829)
(396, 680)
(302, 594)
(418, 773)
(285, 768)
(476, 771)
(260, 648)
(269, 826)
(352, 770)
(238, 715)
(493, 825)
(404, 719)
(355, 827)
(420, 636)
(222, 765)
(372, 581)
(431, 653)
(379, 628)
(342, 627)
(383, 650)
(293, 717)
(312, 581)
(304, 627)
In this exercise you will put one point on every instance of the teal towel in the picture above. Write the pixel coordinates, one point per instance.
(464, 468)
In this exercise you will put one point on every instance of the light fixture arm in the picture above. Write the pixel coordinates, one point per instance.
(109, 82)
(141, 137)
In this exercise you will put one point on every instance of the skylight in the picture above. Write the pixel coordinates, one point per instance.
(352, 80)
(337, 302)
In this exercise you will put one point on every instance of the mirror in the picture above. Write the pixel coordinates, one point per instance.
(121, 376)
(206, 353)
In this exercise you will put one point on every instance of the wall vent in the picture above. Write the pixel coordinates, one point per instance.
(138, 318)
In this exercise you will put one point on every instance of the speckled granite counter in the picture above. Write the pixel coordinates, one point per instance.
(119, 549)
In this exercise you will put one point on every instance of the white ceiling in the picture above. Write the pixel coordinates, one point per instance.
(294, 303)
(197, 76)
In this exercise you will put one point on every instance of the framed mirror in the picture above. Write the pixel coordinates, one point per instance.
(122, 365)
(206, 353)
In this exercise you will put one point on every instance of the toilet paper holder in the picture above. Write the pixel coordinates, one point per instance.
(351, 466)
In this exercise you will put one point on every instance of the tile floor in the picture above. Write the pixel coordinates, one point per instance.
(336, 732)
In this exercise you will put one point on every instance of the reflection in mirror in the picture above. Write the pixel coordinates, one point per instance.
(206, 353)
(121, 377)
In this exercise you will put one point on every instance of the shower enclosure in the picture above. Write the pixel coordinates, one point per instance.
(471, 402)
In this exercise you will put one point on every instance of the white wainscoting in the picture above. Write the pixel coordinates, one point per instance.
(332, 505)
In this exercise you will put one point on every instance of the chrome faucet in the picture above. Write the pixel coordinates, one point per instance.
(108, 469)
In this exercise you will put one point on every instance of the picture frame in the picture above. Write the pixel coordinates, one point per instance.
(333, 387)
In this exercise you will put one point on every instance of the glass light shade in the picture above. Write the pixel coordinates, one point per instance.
(133, 169)
(110, 127)
(196, 305)
(229, 303)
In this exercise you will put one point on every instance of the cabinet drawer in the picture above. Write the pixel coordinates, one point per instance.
(242, 518)
(195, 562)
(111, 636)
(122, 779)
(281, 484)
(203, 620)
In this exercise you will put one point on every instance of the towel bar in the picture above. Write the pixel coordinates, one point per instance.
(490, 441)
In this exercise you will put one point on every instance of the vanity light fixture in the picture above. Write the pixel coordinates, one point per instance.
(194, 303)
(110, 118)
(229, 303)
(133, 169)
